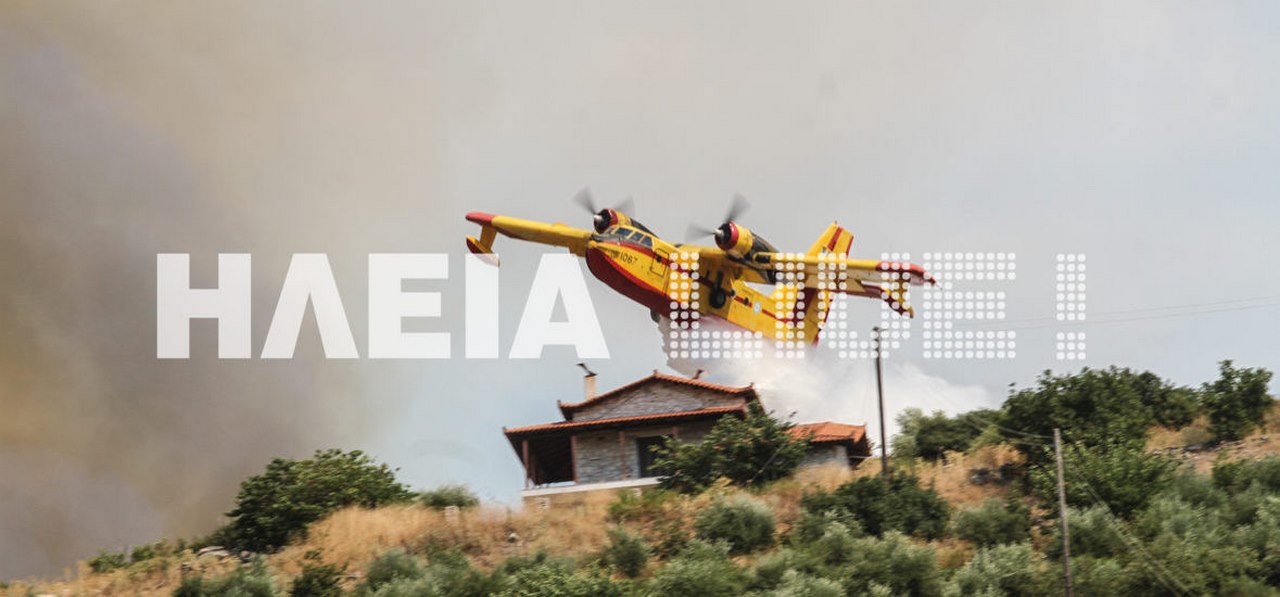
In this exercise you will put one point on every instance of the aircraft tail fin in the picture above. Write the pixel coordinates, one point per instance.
(805, 307)
(834, 240)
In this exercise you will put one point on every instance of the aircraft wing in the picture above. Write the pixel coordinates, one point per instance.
(873, 278)
(860, 270)
(560, 235)
(714, 259)
(861, 277)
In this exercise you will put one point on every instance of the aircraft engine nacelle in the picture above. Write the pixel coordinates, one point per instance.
(735, 240)
(608, 218)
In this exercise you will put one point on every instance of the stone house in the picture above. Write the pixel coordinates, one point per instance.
(604, 441)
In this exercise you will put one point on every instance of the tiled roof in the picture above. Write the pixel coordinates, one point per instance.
(567, 408)
(654, 418)
(828, 431)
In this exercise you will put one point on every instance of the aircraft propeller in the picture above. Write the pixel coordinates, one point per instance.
(737, 207)
(601, 218)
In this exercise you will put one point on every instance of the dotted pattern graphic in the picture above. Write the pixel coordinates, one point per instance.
(947, 305)
(789, 330)
(686, 338)
(895, 328)
(1071, 292)
(1070, 346)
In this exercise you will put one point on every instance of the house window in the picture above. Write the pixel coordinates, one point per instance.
(645, 450)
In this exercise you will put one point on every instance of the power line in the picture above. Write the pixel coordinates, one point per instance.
(1153, 313)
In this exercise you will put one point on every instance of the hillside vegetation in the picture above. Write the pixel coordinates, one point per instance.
(1171, 491)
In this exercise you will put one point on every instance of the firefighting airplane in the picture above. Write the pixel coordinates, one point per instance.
(660, 275)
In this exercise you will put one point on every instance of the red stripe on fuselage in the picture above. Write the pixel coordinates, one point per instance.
(616, 276)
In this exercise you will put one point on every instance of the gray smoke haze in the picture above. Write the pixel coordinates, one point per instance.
(101, 444)
(1144, 134)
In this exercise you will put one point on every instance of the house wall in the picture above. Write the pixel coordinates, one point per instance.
(601, 457)
(656, 397)
(825, 454)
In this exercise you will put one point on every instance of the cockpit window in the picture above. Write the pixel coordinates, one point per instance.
(633, 235)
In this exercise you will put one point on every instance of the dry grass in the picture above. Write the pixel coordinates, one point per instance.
(159, 576)
(355, 536)
(949, 478)
(1263, 442)
(1163, 438)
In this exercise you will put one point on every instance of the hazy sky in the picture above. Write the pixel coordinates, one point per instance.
(1144, 135)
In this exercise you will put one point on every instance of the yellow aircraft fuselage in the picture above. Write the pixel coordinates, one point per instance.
(677, 281)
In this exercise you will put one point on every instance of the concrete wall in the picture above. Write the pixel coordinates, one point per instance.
(580, 496)
(656, 397)
(601, 457)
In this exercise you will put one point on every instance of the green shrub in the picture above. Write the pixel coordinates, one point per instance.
(1238, 475)
(748, 452)
(836, 545)
(798, 584)
(317, 580)
(1010, 570)
(244, 582)
(746, 525)
(1196, 489)
(541, 557)
(1096, 577)
(107, 561)
(447, 573)
(931, 436)
(391, 566)
(149, 551)
(1122, 476)
(557, 581)
(880, 505)
(656, 513)
(891, 563)
(247, 584)
(273, 507)
(992, 523)
(407, 587)
(191, 586)
(701, 569)
(1171, 564)
(1237, 402)
(626, 552)
(449, 495)
(811, 526)
(1169, 514)
(772, 567)
(1094, 532)
(1242, 508)
(643, 507)
(452, 574)
(1262, 536)
(1094, 408)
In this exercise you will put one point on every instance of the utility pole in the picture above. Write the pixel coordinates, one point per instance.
(884, 455)
(1062, 514)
